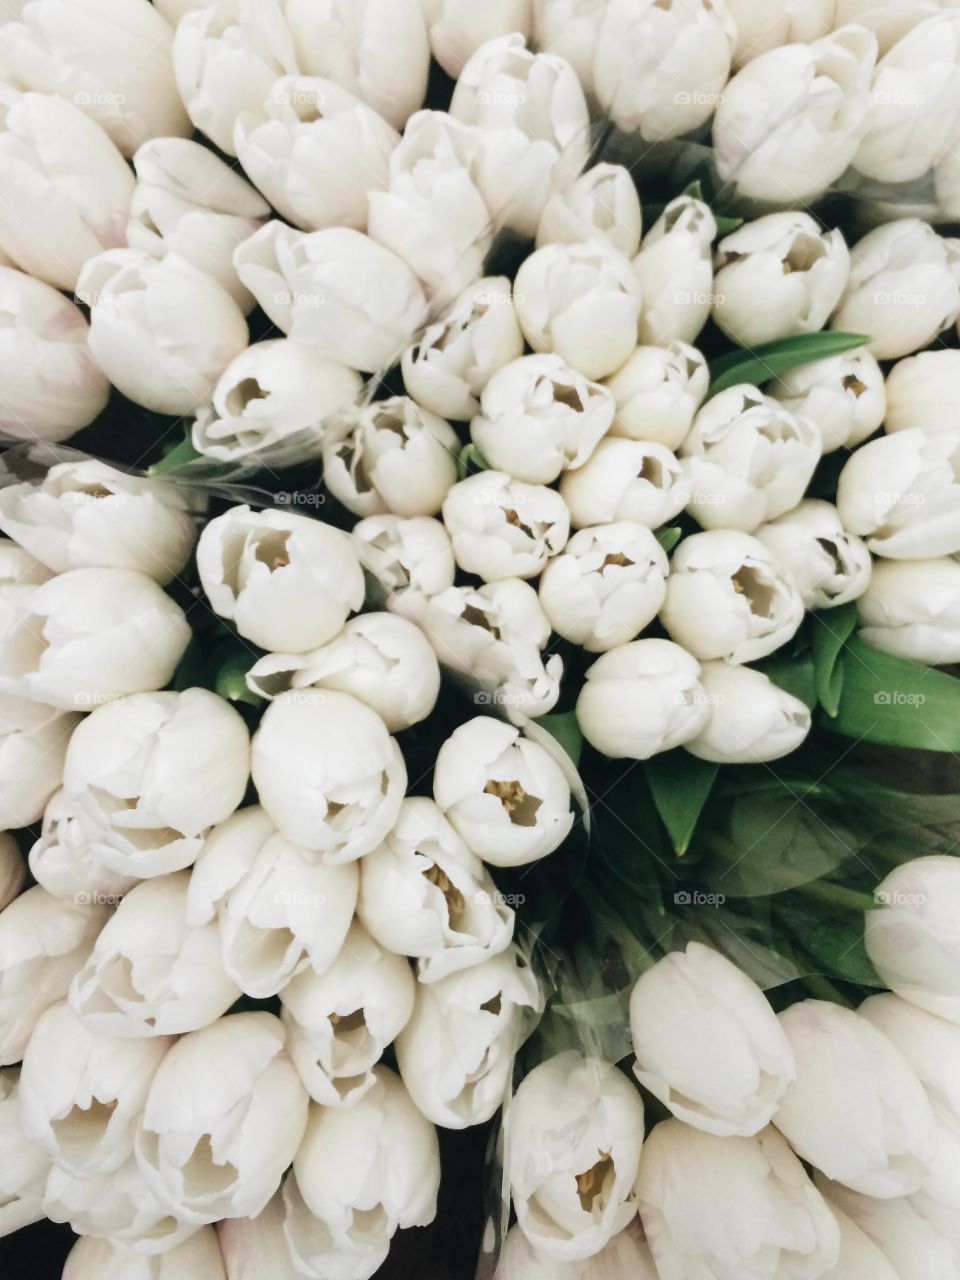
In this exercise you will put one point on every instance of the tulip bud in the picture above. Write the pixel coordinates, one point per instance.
(573, 1134)
(658, 392)
(424, 894)
(674, 269)
(376, 49)
(19, 570)
(761, 25)
(33, 747)
(900, 493)
(582, 302)
(65, 859)
(843, 396)
(626, 1257)
(569, 29)
(402, 553)
(340, 1022)
(391, 456)
(336, 291)
(288, 583)
(43, 943)
(625, 480)
(912, 610)
(226, 59)
(829, 567)
(661, 71)
(255, 1247)
(456, 1053)
(922, 391)
(502, 528)
(930, 1044)
(174, 10)
(247, 1115)
(601, 206)
(342, 1214)
(458, 28)
(910, 1244)
(904, 288)
(23, 1163)
(52, 385)
(890, 20)
(688, 1178)
(505, 794)
(859, 1259)
(94, 1259)
(54, 220)
(751, 720)
(316, 152)
(641, 699)
(795, 154)
(328, 773)
(784, 258)
(728, 597)
(540, 417)
(13, 869)
(447, 369)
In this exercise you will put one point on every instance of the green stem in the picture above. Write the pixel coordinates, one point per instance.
(822, 988)
(838, 896)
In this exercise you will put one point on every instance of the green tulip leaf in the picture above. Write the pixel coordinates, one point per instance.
(470, 461)
(895, 702)
(175, 459)
(668, 538)
(566, 730)
(832, 628)
(796, 676)
(681, 785)
(773, 359)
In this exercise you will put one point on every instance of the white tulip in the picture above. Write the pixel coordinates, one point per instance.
(447, 368)
(641, 699)
(658, 392)
(457, 1051)
(93, 1259)
(33, 746)
(930, 1044)
(912, 1245)
(316, 152)
(391, 456)
(52, 385)
(946, 185)
(573, 1134)
(761, 25)
(246, 1117)
(534, 123)
(255, 1247)
(151, 973)
(829, 566)
(361, 1173)
(336, 291)
(501, 528)
(189, 202)
(384, 661)
(923, 391)
(65, 858)
(606, 587)
(751, 720)
(504, 793)
(13, 869)
(288, 583)
(340, 1022)
(891, 20)
(860, 1258)
(87, 515)
(843, 396)
(689, 1182)
(569, 28)
(328, 773)
(174, 10)
(55, 218)
(18, 570)
(904, 288)
(900, 493)
(406, 552)
(23, 1163)
(626, 1257)
(602, 205)
(582, 302)
(376, 49)
(540, 417)
(44, 941)
(625, 480)
(423, 894)
(226, 58)
(457, 28)
(675, 272)
(912, 610)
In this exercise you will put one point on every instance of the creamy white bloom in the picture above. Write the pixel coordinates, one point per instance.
(860, 1258)
(163, 331)
(688, 1180)
(900, 493)
(361, 1173)
(255, 1247)
(573, 1134)
(33, 747)
(904, 288)
(751, 720)
(54, 218)
(761, 25)
(424, 894)
(502, 528)
(829, 566)
(328, 773)
(504, 793)
(625, 480)
(391, 456)
(13, 869)
(602, 205)
(404, 552)
(44, 941)
(923, 391)
(640, 699)
(930, 1044)
(23, 1163)
(174, 10)
(288, 583)
(458, 28)
(843, 396)
(336, 290)
(794, 154)
(569, 28)
(728, 597)
(198, 1255)
(626, 1257)
(890, 20)
(798, 270)
(911, 1244)
(447, 368)
(539, 417)
(52, 385)
(946, 184)
(457, 1051)
(65, 859)
(658, 392)
(19, 570)
(340, 1021)
(316, 152)
(675, 272)
(224, 1153)
(912, 610)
